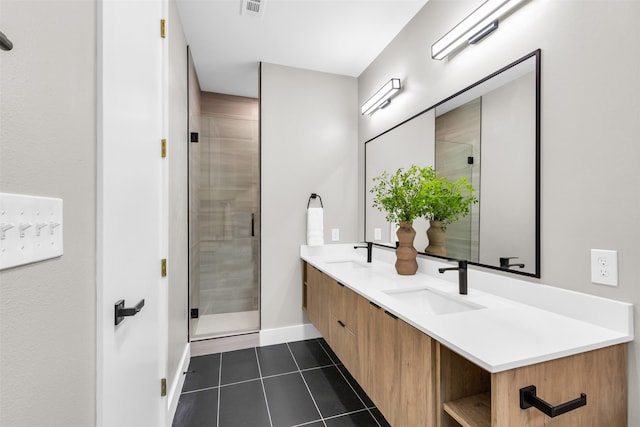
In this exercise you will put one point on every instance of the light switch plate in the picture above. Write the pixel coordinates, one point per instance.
(377, 234)
(30, 229)
(335, 234)
(604, 267)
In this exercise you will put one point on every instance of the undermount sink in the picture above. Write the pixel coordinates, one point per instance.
(350, 263)
(431, 301)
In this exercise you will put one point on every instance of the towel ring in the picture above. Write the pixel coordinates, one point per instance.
(313, 196)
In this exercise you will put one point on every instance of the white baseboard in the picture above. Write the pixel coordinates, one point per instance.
(260, 339)
(173, 393)
(288, 334)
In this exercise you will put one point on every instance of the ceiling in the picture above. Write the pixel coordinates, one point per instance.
(332, 36)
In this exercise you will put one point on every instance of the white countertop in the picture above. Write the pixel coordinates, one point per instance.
(519, 323)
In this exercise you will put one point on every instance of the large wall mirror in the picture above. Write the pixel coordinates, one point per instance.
(489, 133)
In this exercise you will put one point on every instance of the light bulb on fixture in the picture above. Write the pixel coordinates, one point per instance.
(474, 27)
(382, 97)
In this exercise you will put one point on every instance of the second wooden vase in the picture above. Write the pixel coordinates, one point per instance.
(436, 236)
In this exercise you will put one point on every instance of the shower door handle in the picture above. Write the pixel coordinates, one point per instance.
(253, 225)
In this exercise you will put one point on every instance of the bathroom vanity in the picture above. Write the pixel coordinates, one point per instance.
(428, 356)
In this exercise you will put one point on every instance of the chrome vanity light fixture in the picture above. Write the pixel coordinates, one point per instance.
(473, 28)
(381, 98)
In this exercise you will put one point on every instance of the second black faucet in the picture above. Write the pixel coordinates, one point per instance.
(369, 248)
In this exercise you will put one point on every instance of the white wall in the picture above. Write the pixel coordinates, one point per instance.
(178, 144)
(508, 173)
(47, 148)
(590, 126)
(308, 145)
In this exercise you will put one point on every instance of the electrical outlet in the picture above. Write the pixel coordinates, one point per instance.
(335, 234)
(604, 267)
(377, 234)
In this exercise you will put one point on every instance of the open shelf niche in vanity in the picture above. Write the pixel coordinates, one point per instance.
(463, 391)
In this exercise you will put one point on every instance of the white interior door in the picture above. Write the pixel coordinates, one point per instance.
(132, 231)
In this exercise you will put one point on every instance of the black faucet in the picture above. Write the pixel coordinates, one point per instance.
(504, 262)
(369, 248)
(462, 275)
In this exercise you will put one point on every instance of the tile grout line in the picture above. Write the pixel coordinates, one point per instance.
(200, 389)
(313, 399)
(266, 401)
(348, 413)
(255, 379)
(219, 391)
(349, 382)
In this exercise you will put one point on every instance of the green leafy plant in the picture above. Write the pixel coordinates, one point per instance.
(401, 194)
(419, 192)
(444, 200)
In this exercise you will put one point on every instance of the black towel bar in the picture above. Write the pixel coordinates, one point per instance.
(528, 399)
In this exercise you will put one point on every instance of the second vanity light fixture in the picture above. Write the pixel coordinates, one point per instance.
(474, 27)
(381, 98)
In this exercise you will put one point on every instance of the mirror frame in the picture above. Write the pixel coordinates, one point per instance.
(537, 54)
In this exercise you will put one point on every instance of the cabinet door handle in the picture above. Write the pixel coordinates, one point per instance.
(393, 316)
(528, 399)
(340, 323)
(374, 304)
(253, 225)
(121, 312)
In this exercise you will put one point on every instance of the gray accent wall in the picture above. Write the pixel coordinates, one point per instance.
(590, 126)
(48, 148)
(308, 145)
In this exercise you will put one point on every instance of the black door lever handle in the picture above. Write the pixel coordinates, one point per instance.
(121, 312)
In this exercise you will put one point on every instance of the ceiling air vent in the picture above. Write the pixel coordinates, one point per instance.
(253, 8)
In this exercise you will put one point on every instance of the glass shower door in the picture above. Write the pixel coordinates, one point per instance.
(228, 294)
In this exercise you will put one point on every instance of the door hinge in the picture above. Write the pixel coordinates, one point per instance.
(163, 387)
(164, 147)
(163, 28)
(163, 268)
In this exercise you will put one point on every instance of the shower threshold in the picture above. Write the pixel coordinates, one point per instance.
(225, 324)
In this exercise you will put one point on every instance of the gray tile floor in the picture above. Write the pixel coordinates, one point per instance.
(295, 384)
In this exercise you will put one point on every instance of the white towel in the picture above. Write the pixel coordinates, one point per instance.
(315, 227)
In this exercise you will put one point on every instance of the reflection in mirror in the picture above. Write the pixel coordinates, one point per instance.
(458, 155)
(400, 147)
(489, 133)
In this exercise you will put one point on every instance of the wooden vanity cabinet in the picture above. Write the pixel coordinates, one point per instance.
(391, 360)
(472, 397)
(600, 374)
(343, 330)
(397, 367)
(416, 381)
(380, 371)
(316, 295)
(463, 391)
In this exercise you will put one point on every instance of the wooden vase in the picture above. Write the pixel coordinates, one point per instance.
(436, 236)
(406, 263)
